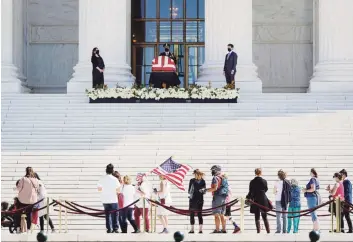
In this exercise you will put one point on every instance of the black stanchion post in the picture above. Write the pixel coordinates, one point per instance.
(178, 236)
(314, 236)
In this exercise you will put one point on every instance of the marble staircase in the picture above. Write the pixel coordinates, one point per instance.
(69, 142)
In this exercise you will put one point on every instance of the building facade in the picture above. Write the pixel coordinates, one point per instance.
(283, 45)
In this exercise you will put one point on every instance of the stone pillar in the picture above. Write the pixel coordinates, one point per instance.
(334, 68)
(10, 83)
(229, 21)
(102, 25)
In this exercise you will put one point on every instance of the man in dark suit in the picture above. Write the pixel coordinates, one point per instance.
(168, 53)
(347, 185)
(230, 64)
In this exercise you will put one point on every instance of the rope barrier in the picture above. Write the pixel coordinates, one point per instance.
(286, 212)
(21, 209)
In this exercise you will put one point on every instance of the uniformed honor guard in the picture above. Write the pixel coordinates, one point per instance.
(168, 53)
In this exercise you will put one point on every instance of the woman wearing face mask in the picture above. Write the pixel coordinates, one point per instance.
(313, 197)
(98, 69)
(337, 191)
(142, 192)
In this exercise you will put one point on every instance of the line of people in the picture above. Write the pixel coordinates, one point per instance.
(287, 195)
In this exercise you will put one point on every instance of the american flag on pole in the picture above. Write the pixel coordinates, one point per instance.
(173, 172)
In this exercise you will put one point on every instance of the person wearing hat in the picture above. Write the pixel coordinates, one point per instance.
(167, 52)
(219, 189)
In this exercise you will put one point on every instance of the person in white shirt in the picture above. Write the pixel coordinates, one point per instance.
(108, 186)
(128, 192)
(143, 190)
(281, 190)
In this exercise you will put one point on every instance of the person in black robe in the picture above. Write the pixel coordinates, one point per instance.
(168, 53)
(257, 193)
(98, 69)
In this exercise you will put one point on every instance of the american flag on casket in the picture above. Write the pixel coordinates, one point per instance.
(173, 172)
(163, 64)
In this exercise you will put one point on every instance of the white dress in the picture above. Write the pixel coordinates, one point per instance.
(168, 199)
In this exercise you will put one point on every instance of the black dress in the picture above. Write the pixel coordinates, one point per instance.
(97, 76)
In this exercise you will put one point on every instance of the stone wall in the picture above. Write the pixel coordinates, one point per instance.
(283, 44)
(52, 43)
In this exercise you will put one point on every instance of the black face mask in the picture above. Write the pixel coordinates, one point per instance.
(166, 50)
(213, 173)
(229, 49)
(97, 52)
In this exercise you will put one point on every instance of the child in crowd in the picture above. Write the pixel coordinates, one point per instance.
(294, 206)
(228, 214)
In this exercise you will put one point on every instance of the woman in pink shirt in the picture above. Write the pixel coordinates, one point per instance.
(337, 191)
(27, 188)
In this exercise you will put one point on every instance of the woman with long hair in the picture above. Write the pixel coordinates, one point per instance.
(196, 199)
(312, 196)
(257, 193)
(28, 188)
(337, 191)
(98, 69)
(282, 192)
(42, 214)
(165, 198)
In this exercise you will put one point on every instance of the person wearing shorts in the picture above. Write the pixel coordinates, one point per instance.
(218, 201)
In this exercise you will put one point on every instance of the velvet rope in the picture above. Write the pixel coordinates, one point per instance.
(229, 204)
(284, 212)
(205, 212)
(92, 214)
(21, 209)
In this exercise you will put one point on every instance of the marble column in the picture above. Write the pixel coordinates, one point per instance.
(10, 83)
(103, 24)
(334, 68)
(229, 21)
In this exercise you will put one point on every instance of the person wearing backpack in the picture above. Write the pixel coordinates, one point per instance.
(283, 197)
(219, 189)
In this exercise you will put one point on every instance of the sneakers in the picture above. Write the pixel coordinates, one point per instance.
(165, 231)
(236, 230)
(136, 231)
(191, 232)
(109, 231)
(216, 232)
(223, 231)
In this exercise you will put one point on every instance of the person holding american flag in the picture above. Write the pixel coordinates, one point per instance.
(168, 171)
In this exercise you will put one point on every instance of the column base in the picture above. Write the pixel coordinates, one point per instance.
(10, 83)
(246, 77)
(332, 78)
(113, 76)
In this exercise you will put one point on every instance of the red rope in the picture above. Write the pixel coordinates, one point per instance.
(21, 209)
(205, 212)
(285, 212)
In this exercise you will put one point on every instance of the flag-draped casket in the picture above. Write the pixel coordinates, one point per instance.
(163, 64)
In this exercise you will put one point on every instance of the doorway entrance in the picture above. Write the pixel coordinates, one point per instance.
(181, 23)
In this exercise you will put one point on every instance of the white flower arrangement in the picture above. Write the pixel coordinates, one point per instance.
(149, 93)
